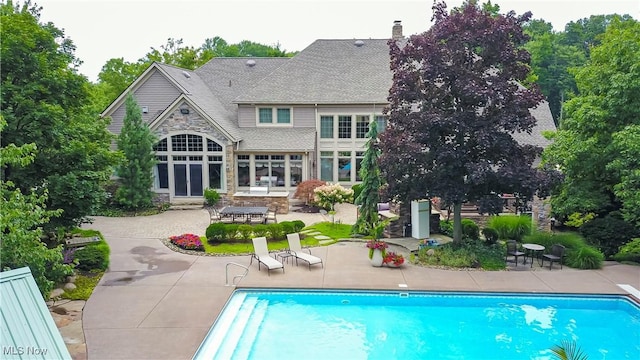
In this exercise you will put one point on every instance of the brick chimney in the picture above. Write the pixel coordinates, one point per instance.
(396, 32)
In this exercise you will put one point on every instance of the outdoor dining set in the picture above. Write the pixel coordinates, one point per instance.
(242, 215)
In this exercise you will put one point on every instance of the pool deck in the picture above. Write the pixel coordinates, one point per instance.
(155, 303)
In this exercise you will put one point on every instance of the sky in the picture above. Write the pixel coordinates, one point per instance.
(102, 30)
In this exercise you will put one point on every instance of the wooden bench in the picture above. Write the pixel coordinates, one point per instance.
(81, 241)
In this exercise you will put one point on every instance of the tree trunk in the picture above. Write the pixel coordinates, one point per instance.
(457, 223)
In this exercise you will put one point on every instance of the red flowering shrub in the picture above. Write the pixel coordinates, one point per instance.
(187, 242)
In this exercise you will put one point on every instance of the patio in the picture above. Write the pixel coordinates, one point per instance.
(157, 304)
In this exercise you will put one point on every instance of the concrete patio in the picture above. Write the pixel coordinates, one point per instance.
(154, 303)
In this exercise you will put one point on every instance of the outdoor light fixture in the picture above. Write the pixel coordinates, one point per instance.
(184, 111)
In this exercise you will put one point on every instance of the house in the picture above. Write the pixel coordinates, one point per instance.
(238, 123)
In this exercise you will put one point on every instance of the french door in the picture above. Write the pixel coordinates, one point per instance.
(187, 176)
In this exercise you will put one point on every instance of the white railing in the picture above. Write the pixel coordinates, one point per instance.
(239, 276)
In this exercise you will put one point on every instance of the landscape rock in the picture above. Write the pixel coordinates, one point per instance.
(69, 286)
(56, 293)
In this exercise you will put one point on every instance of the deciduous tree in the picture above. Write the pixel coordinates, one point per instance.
(45, 102)
(550, 63)
(596, 145)
(21, 216)
(454, 104)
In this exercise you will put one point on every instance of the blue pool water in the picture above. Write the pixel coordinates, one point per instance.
(419, 325)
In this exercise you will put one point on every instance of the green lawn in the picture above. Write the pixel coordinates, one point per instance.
(334, 231)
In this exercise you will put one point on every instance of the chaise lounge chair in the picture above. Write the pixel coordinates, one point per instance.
(261, 253)
(296, 249)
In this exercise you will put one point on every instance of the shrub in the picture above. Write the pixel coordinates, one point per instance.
(490, 234)
(469, 254)
(216, 232)
(326, 196)
(93, 257)
(288, 227)
(511, 227)
(585, 257)
(304, 190)
(187, 242)
(578, 254)
(629, 251)
(608, 233)
(446, 227)
(298, 225)
(448, 255)
(211, 196)
(470, 229)
(232, 231)
(245, 232)
(275, 231)
(260, 230)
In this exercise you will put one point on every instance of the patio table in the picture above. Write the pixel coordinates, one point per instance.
(533, 250)
(244, 212)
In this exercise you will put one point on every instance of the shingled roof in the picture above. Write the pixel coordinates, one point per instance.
(328, 72)
(200, 93)
(228, 78)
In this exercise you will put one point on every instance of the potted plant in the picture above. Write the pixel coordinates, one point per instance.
(377, 251)
(393, 259)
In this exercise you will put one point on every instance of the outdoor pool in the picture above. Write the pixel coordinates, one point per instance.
(300, 324)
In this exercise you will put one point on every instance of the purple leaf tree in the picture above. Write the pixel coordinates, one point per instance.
(455, 102)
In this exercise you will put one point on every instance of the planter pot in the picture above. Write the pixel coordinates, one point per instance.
(377, 259)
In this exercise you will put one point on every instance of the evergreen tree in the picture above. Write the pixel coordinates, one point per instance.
(369, 197)
(136, 143)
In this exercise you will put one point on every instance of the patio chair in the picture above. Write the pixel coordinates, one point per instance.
(271, 216)
(296, 249)
(227, 218)
(512, 250)
(256, 219)
(261, 253)
(214, 215)
(556, 255)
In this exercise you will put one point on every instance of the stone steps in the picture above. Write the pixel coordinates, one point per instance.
(186, 207)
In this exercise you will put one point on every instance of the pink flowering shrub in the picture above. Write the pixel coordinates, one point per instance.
(187, 242)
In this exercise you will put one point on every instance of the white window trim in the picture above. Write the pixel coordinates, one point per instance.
(274, 116)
